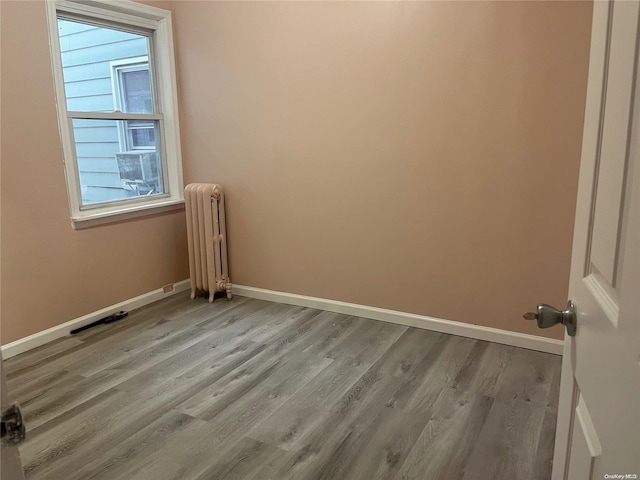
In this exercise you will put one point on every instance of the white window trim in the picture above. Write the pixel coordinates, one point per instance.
(147, 17)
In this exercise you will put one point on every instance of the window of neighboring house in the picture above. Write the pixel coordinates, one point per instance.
(131, 81)
(117, 108)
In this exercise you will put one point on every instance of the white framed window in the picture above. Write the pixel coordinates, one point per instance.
(130, 80)
(114, 72)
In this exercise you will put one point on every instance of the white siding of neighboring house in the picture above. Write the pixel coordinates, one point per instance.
(86, 55)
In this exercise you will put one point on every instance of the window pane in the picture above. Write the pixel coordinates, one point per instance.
(109, 172)
(136, 91)
(140, 134)
(90, 57)
(142, 137)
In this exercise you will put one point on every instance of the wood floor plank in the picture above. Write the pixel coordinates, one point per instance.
(308, 406)
(337, 453)
(237, 311)
(483, 369)
(367, 338)
(56, 441)
(436, 370)
(243, 462)
(253, 396)
(269, 323)
(65, 398)
(507, 444)
(124, 414)
(391, 440)
(264, 378)
(339, 437)
(554, 387)
(338, 326)
(131, 450)
(248, 389)
(543, 461)
(40, 354)
(110, 336)
(27, 392)
(385, 445)
(157, 327)
(192, 451)
(164, 306)
(139, 317)
(209, 313)
(445, 443)
(406, 356)
(301, 333)
(104, 427)
(209, 353)
(327, 450)
(105, 358)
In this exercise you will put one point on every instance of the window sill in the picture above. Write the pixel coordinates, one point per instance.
(88, 220)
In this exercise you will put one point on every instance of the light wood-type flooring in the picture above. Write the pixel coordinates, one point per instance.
(250, 389)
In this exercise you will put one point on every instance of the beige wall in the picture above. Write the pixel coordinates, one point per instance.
(51, 273)
(413, 156)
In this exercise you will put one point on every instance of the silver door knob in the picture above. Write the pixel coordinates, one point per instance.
(547, 316)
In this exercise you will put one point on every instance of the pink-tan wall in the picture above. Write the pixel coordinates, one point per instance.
(414, 156)
(417, 156)
(51, 273)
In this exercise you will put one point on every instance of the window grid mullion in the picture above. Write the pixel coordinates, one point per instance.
(114, 116)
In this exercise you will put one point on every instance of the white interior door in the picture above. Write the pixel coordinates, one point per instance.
(598, 433)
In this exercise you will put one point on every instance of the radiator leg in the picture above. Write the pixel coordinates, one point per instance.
(193, 293)
(211, 295)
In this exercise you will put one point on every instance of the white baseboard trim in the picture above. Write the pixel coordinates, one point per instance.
(32, 341)
(505, 337)
(523, 340)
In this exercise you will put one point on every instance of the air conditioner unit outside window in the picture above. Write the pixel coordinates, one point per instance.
(139, 172)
